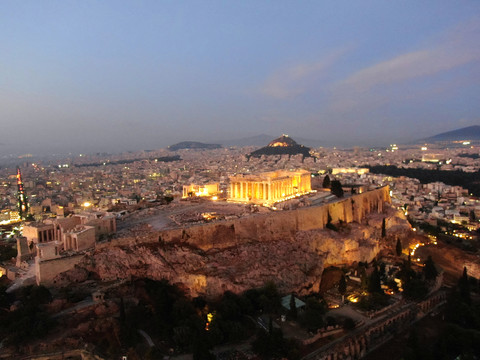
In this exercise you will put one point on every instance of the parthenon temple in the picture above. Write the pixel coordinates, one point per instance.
(269, 187)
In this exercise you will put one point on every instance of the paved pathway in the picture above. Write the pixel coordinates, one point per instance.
(147, 337)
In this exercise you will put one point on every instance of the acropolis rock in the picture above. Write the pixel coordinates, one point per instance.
(285, 247)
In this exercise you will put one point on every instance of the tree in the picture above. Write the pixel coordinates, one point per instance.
(202, 347)
(399, 248)
(464, 286)
(293, 306)
(429, 270)
(382, 272)
(363, 277)
(472, 216)
(312, 317)
(374, 285)
(415, 289)
(7, 253)
(384, 230)
(326, 182)
(349, 324)
(274, 346)
(342, 287)
(336, 188)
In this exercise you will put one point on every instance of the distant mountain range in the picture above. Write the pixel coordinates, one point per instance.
(262, 139)
(471, 133)
(193, 145)
(466, 133)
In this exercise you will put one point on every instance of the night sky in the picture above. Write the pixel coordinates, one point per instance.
(89, 76)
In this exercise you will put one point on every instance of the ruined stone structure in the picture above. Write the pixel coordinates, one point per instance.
(71, 232)
(369, 337)
(47, 269)
(38, 232)
(54, 241)
(290, 247)
(81, 237)
(282, 224)
(200, 190)
(23, 251)
(269, 187)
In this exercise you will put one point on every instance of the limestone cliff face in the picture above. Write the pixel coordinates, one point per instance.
(294, 263)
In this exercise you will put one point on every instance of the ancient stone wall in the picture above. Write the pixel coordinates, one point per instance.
(46, 271)
(277, 225)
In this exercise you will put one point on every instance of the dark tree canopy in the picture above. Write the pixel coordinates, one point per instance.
(415, 289)
(429, 270)
(455, 178)
(374, 285)
(399, 248)
(336, 188)
(293, 306)
(342, 285)
(312, 317)
(326, 182)
(464, 286)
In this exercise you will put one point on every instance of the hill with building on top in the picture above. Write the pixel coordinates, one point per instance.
(284, 145)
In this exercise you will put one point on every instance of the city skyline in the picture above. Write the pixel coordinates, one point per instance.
(113, 76)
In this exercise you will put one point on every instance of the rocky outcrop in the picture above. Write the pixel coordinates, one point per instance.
(294, 263)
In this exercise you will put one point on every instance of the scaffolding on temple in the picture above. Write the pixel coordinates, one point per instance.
(21, 196)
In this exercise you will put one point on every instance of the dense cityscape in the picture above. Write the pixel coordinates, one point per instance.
(384, 268)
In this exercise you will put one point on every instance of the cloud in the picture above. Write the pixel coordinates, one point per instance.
(295, 80)
(371, 85)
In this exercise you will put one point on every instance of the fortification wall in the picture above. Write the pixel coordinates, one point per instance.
(271, 226)
(46, 270)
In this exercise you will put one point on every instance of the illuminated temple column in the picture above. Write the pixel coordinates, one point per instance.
(241, 190)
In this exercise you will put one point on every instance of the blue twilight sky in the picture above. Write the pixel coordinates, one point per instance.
(92, 76)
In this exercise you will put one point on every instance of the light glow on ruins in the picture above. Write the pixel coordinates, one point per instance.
(200, 190)
(269, 187)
